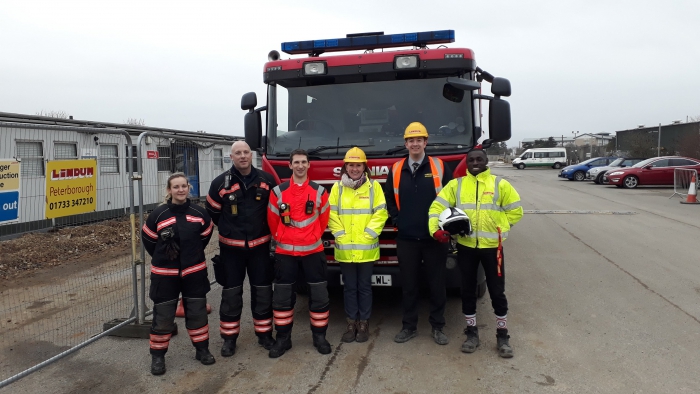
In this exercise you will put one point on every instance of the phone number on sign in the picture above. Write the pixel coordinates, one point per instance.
(70, 203)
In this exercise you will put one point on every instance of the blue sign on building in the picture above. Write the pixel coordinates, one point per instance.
(9, 206)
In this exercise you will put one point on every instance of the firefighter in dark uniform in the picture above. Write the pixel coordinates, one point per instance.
(411, 187)
(175, 235)
(298, 214)
(237, 202)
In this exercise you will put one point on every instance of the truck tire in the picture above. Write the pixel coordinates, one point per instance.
(521, 166)
(556, 166)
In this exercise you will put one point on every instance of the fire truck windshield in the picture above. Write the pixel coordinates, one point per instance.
(373, 115)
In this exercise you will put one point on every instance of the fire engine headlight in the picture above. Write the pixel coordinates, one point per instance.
(404, 62)
(314, 68)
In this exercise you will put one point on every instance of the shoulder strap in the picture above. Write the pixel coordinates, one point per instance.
(396, 170)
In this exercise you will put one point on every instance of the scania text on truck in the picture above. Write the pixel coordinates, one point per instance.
(366, 97)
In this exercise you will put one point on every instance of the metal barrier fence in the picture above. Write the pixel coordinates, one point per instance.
(70, 248)
(68, 241)
(682, 178)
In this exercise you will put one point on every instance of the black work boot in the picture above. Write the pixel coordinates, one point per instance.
(472, 342)
(204, 356)
(281, 345)
(228, 349)
(362, 331)
(504, 349)
(320, 343)
(266, 340)
(351, 332)
(157, 364)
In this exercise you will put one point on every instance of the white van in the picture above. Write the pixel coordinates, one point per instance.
(541, 157)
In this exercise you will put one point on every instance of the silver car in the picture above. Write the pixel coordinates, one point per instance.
(596, 173)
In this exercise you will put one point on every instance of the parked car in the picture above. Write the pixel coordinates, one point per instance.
(541, 157)
(654, 171)
(596, 173)
(577, 172)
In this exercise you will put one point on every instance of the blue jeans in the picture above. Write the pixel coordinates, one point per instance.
(357, 289)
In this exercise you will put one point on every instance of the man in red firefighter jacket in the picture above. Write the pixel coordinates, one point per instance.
(298, 214)
(237, 202)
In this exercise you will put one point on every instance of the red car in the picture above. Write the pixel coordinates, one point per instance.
(654, 171)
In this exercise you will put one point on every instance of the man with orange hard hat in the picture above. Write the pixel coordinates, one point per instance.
(411, 186)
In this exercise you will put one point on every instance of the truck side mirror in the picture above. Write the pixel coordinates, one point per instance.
(499, 120)
(252, 124)
(500, 87)
(249, 101)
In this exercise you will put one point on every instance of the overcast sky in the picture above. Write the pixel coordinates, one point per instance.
(591, 66)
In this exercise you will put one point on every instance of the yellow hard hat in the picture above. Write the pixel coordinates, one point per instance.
(355, 155)
(415, 129)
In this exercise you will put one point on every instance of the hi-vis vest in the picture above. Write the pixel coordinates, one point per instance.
(356, 220)
(437, 168)
(491, 203)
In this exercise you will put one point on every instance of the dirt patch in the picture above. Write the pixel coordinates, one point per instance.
(71, 246)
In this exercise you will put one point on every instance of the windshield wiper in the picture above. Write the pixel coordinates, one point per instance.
(322, 148)
(399, 148)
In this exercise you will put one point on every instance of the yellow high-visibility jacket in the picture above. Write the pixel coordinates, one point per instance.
(491, 203)
(357, 217)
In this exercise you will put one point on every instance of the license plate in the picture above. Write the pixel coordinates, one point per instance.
(377, 280)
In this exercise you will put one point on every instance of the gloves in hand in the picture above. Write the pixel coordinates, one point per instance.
(442, 236)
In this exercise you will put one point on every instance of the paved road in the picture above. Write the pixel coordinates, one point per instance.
(599, 303)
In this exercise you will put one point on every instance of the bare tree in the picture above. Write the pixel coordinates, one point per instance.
(694, 118)
(53, 114)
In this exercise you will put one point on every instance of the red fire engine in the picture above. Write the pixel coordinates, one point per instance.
(328, 104)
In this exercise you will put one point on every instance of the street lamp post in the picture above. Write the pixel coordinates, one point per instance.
(658, 145)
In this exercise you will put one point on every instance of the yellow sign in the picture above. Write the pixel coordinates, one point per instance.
(9, 175)
(71, 187)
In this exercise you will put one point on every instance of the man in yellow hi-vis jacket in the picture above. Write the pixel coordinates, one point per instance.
(358, 214)
(493, 207)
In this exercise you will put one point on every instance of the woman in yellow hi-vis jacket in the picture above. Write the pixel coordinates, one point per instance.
(358, 213)
(493, 207)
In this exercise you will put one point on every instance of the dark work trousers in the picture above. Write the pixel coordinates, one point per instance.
(315, 269)
(257, 263)
(165, 292)
(468, 260)
(433, 255)
(357, 289)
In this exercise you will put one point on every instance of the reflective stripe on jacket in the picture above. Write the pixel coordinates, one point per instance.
(437, 168)
(248, 225)
(356, 220)
(191, 229)
(491, 203)
(302, 236)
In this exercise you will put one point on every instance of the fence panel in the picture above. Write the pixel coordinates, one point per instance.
(66, 242)
(682, 178)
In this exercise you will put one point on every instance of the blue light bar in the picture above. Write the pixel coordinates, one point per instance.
(369, 42)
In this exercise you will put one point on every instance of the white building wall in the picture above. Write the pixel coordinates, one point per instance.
(112, 188)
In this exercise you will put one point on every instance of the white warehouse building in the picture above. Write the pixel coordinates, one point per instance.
(35, 141)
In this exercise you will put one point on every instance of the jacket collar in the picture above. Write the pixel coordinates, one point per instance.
(253, 172)
(483, 176)
(179, 208)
